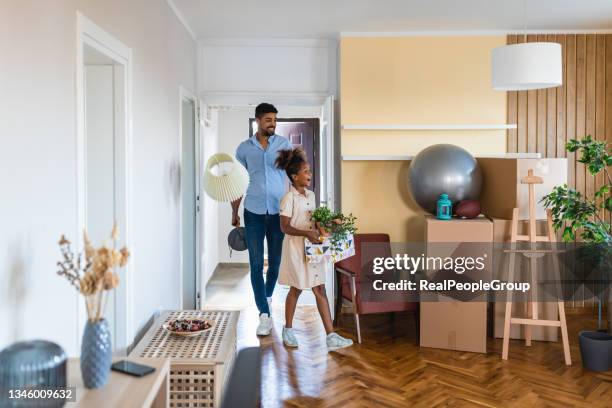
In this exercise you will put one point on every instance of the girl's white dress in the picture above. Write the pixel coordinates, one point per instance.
(294, 270)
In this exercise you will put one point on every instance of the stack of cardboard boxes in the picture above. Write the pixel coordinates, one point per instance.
(462, 325)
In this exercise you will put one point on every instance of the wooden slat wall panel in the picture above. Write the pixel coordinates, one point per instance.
(590, 105)
(521, 144)
(511, 140)
(551, 128)
(570, 128)
(561, 103)
(549, 118)
(589, 184)
(580, 102)
(608, 97)
(570, 124)
(600, 99)
(542, 115)
(532, 112)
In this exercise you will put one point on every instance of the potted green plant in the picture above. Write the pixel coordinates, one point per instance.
(335, 225)
(324, 218)
(581, 216)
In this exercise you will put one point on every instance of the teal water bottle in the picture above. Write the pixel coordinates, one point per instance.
(444, 208)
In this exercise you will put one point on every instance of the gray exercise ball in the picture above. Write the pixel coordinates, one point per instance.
(444, 168)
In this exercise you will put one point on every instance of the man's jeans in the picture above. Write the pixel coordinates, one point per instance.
(257, 227)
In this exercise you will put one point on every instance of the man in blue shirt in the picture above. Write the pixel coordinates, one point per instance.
(267, 186)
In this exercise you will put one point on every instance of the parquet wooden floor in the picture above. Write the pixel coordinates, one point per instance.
(390, 370)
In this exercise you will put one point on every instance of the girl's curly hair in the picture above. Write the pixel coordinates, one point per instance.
(291, 161)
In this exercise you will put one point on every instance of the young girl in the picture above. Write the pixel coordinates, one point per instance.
(295, 210)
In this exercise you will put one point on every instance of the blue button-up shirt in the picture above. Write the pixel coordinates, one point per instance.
(267, 183)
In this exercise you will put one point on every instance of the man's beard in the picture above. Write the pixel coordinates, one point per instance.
(270, 131)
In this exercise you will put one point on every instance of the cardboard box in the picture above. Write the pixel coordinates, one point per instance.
(452, 324)
(548, 310)
(502, 190)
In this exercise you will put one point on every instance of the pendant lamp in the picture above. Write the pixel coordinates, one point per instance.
(523, 66)
(225, 179)
(518, 67)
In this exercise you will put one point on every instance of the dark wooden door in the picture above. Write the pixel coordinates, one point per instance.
(304, 133)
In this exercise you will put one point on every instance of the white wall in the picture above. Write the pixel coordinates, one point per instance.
(210, 223)
(280, 71)
(233, 129)
(37, 157)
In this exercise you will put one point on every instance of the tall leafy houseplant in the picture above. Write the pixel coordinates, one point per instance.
(581, 216)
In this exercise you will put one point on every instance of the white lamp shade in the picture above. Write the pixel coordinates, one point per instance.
(519, 67)
(230, 183)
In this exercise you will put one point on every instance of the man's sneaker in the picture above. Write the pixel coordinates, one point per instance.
(335, 342)
(265, 325)
(289, 337)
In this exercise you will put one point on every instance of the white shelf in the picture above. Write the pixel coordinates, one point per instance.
(405, 158)
(430, 127)
(377, 158)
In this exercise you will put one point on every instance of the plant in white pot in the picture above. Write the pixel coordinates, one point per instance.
(93, 274)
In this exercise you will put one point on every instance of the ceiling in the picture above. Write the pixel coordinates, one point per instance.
(327, 18)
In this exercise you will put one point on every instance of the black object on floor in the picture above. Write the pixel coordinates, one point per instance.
(596, 350)
(242, 388)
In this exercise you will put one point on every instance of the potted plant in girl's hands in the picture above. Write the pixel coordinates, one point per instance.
(93, 274)
(324, 218)
(334, 225)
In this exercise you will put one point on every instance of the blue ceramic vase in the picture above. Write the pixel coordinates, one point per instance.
(96, 354)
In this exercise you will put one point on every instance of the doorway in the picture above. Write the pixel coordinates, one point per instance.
(303, 132)
(103, 74)
(230, 286)
(190, 201)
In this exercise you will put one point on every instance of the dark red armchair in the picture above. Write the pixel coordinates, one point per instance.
(349, 278)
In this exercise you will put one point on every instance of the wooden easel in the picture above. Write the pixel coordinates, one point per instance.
(532, 254)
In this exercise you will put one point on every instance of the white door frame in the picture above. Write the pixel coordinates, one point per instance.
(327, 145)
(185, 93)
(88, 33)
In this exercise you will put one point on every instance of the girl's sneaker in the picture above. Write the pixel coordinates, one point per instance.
(289, 337)
(335, 342)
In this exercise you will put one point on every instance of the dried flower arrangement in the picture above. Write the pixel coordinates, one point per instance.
(93, 274)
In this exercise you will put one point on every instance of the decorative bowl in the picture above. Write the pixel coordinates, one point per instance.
(188, 327)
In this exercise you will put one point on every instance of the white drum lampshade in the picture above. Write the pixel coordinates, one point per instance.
(225, 179)
(519, 67)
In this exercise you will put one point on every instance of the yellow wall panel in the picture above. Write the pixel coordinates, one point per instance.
(411, 80)
(415, 80)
